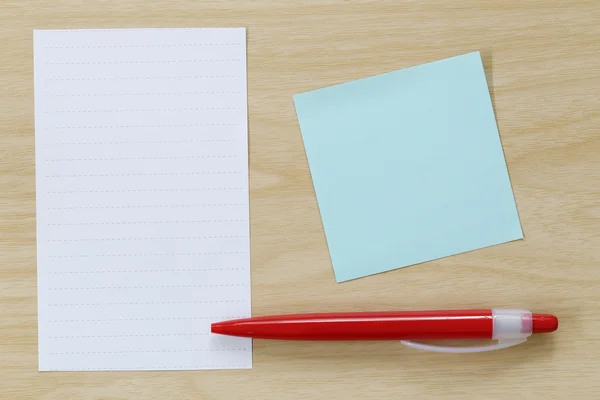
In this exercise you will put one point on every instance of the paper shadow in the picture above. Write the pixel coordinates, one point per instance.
(486, 58)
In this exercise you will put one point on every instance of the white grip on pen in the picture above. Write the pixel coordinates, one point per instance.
(512, 324)
(511, 327)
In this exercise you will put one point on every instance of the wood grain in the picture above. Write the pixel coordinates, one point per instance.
(541, 59)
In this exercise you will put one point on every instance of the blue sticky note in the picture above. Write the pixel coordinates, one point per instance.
(408, 166)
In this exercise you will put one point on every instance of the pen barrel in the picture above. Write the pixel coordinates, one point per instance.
(392, 325)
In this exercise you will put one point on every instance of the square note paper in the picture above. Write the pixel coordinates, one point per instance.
(142, 198)
(408, 166)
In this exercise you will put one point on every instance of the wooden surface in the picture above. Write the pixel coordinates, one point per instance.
(542, 62)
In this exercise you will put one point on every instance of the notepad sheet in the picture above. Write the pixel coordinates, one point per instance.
(142, 198)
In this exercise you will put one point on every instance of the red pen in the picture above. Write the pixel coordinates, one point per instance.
(509, 327)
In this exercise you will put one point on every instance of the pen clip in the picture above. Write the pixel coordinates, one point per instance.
(501, 344)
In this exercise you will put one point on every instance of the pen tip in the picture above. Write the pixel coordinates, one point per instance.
(216, 328)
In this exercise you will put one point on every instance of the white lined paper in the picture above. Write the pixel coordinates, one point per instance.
(142, 198)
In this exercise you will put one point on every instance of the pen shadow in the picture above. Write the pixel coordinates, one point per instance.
(392, 355)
